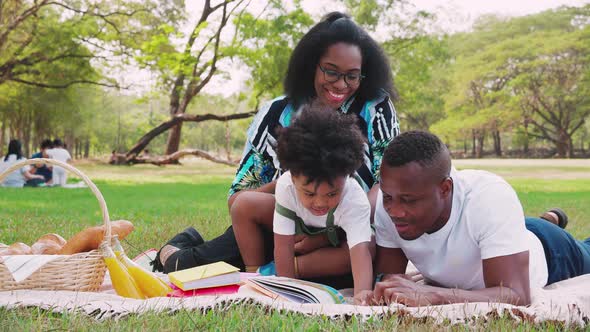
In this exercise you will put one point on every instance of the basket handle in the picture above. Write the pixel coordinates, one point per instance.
(91, 185)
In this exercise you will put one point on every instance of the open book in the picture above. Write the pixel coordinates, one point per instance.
(295, 290)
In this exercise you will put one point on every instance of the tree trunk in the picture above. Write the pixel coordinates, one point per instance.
(564, 145)
(228, 141)
(86, 148)
(497, 143)
(473, 143)
(3, 134)
(173, 139)
(526, 139)
(465, 146)
(480, 142)
(27, 134)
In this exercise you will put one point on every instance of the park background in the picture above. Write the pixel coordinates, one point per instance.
(165, 75)
(109, 75)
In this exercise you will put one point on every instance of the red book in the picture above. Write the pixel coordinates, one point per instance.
(221, 290)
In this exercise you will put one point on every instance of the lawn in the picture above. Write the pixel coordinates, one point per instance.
(162, 201)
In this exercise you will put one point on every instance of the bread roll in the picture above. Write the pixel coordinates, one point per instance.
(53, 237)
(45, 247)
(17, 248)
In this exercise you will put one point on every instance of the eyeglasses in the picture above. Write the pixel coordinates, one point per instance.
(333, 76)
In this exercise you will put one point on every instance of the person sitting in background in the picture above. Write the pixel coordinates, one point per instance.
(59, 153)
(22, 176)
(41, 169)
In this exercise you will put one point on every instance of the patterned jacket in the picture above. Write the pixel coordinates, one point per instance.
(260, 164)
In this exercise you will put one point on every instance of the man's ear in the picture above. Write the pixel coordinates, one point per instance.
(446, 186)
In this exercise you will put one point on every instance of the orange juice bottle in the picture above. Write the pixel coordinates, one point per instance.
(123, 282)
(148, 283)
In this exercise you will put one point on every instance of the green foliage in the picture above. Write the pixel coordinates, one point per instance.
(510, 73)
(265, 46)
(421, 81)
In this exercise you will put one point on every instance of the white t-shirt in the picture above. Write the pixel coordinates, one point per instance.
(16, 178)
(486, 221)
(352, 214)
(60, 154)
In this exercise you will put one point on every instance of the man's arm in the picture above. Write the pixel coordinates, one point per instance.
(506, 279)
(390, 261)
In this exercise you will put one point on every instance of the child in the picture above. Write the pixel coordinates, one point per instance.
(321, 149)
(60, 177)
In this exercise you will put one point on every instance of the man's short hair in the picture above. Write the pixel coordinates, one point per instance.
(421, 147)
(46, 144)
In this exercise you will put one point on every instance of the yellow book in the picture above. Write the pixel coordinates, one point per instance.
(205, 276)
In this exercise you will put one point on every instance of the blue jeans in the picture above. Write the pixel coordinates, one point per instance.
(566, 256)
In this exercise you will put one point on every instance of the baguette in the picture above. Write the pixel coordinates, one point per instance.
(90, 238)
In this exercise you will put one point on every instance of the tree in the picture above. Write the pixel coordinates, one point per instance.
(61, 44)
(185, 72)
(260, 43)
(512, 74)
(420, 78)
(48, 43)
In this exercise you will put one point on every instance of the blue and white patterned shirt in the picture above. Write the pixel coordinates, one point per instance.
(260, 164)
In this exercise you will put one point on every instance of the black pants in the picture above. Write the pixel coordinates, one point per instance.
(225, 248)
(222, 248)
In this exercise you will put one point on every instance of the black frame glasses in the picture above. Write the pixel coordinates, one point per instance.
(333, 76)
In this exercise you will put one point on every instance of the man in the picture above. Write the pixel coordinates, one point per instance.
(42, 169)
(464, 231)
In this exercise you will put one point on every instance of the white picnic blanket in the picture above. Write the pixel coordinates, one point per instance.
(567, 301)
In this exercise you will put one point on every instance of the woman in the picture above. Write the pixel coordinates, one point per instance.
(338, 64)
(22, 176)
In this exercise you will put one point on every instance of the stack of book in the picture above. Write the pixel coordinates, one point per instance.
(211, 279)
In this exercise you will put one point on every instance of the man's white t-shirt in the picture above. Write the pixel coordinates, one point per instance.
(352, 214)
(486, 221)
(60, 154)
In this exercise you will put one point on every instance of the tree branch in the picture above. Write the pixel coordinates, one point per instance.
(173, 158)
(146, 139)
(65, 85)
(23, 16)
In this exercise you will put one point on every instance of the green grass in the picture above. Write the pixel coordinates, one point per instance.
(163, 201)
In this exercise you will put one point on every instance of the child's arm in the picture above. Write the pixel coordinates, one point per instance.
(362, 272)
(285, 255)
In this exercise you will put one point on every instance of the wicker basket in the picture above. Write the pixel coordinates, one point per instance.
(79, 272)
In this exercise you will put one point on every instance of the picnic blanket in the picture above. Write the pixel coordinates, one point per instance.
(567, 301)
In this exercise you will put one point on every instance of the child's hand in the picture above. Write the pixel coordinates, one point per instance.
(364, 297)
(311, 243)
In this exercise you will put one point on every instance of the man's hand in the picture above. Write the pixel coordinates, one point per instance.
(307, 244)
(364, 297)
(401, 288)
